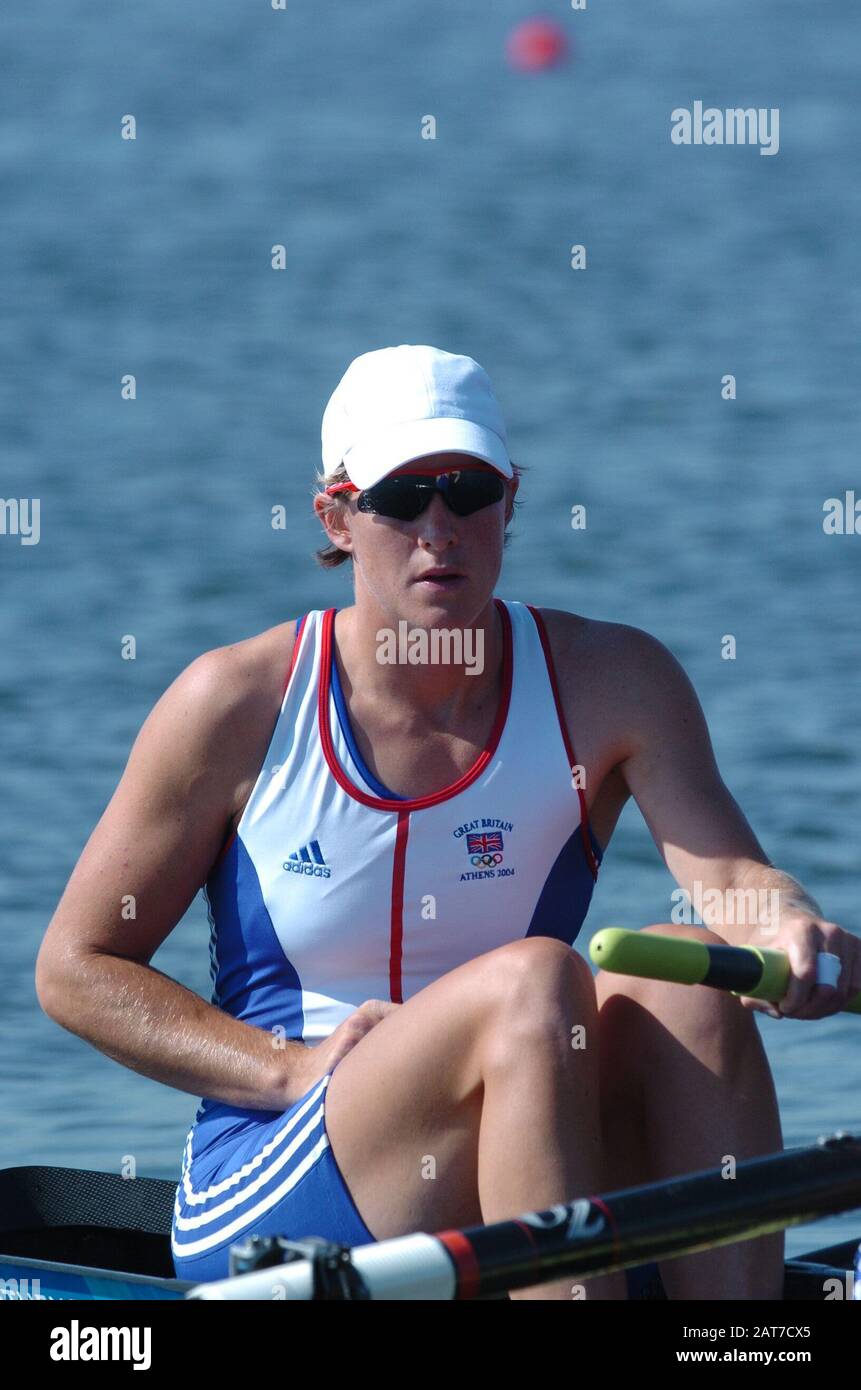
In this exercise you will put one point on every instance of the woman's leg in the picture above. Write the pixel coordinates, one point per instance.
(473, 1102)
(684, 1084)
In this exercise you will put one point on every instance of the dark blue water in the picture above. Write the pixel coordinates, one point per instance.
(704, 516)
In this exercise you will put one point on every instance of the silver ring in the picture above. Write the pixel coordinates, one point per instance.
(828, 968)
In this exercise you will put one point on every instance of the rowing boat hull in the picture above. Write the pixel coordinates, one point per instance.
(25, 1280)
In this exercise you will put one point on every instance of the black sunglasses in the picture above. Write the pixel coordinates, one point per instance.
(406, 496)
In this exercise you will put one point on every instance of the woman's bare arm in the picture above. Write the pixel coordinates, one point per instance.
(148, 856)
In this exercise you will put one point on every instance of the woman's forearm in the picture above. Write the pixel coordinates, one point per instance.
(763, 897)
(154, 1025)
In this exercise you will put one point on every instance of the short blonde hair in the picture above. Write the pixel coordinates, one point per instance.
(331, 555)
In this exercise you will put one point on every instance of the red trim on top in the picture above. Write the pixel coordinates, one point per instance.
(222, 852)
(396, 943)
(416, 803)
(569, 746)
(297, 641)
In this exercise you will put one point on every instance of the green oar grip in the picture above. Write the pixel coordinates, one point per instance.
(652, 957)
(688, 962)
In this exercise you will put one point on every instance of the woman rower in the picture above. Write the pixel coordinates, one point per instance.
(397, 857)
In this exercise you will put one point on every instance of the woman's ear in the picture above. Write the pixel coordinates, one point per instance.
(333, 516)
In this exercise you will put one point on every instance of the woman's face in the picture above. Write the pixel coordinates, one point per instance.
(391, 556)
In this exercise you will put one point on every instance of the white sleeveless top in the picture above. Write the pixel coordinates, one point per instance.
(335, 890)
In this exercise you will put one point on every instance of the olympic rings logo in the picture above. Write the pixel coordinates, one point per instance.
(487, 861)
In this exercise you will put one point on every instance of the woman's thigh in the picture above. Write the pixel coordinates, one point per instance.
(404, 1106)
(387, 1142)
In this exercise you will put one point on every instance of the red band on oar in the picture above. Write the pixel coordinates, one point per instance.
(465, 1262)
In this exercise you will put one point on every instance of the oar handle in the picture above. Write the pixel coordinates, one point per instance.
(753, 971)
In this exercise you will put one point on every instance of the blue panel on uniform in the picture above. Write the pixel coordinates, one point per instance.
(561, 909)
(255, 981)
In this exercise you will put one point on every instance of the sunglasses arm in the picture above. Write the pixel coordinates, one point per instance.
(340, 487)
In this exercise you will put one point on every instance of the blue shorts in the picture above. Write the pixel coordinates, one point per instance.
(275, 1176)
(278, 1176)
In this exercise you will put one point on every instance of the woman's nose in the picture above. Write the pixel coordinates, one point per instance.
(437, 518)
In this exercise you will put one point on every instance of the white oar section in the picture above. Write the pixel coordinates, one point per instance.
(408, 1267)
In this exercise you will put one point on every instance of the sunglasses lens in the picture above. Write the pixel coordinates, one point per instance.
(470, 491)
(402, 498)
(406, 496)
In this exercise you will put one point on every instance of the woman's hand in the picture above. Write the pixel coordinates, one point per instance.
(326, 1055)
(802, 936)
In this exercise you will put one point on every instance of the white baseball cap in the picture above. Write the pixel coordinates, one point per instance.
(402, 403)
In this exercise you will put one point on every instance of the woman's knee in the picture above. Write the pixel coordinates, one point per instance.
(541, 967)
(541, 989)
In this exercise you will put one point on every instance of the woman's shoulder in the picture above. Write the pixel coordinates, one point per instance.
(604, 654)
(567, 629)
(240, 683)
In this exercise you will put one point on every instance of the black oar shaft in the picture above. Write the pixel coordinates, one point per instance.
(597, 1235)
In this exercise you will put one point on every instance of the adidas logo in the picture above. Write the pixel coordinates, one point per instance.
(308, 860)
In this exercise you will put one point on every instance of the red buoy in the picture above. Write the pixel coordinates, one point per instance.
(537, 44)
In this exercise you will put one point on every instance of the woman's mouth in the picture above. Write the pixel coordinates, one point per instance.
(441, 581)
